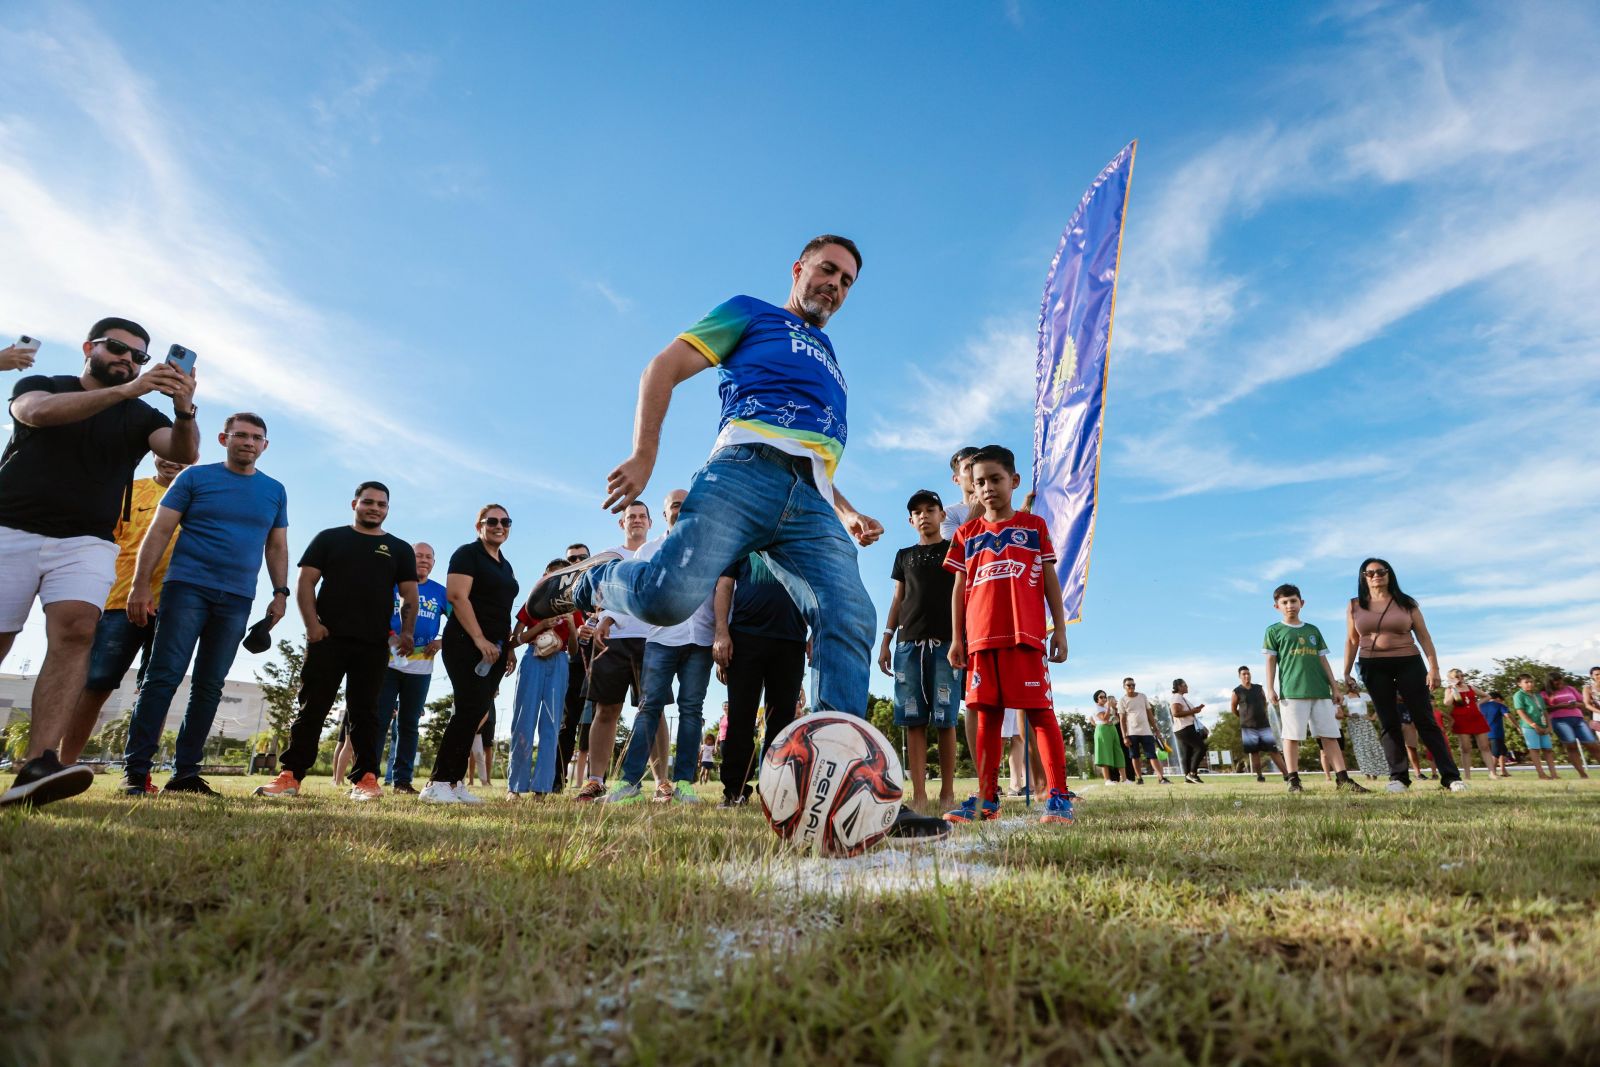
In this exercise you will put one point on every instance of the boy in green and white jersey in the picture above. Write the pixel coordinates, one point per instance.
(1297, 657)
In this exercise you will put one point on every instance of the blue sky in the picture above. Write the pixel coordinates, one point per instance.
(1357, 312)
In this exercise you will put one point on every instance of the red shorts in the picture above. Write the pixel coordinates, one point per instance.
(1015, 677)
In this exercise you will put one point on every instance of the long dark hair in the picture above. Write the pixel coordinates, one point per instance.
(1400, 598)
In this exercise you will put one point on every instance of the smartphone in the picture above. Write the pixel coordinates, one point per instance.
(182, 358)
(30, 344)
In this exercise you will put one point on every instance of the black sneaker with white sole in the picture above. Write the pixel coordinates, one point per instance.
(908, 825)
(552, 595)
(190, 783)
(43, 780)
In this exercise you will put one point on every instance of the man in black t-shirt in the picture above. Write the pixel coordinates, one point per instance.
(759, 645)
(65, 479)
(926, 693)
(1255, 729)
(347, 638)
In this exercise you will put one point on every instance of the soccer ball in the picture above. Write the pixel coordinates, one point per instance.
(830, 784)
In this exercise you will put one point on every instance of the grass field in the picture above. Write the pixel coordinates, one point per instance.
(1227, 923)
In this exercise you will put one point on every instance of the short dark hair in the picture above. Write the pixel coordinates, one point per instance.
(1241, 670)
(961, 454)
(554, 565)
(825, 239)
(637, 504)
(1125, 681)
(101, 328)
(995, 454)
(924, 496)
(245, 416)
(1495, 694)
(364, 486)
(1175, 683)
(577, 544)
(1099, 695)
(1286, 590)
(1524, 677)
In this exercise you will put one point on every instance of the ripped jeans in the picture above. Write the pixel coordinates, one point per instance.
(925, 689)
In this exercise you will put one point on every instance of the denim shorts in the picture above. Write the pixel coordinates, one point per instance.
(117, 640)
(925, 688)
(1534, 739)
(1570, 730)
(1142, 746)
(1263, 740)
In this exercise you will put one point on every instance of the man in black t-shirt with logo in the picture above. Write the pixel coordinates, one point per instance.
(347, 638)
(1255, 729)
(65, 479)
(759, 645)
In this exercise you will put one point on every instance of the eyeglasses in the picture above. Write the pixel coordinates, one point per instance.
(117, 348)
(1375, 574)
(576, 559)
(494, 520)
(253, 438)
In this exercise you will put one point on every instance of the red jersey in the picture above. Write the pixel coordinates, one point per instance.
(1004, 566)
(563, 629)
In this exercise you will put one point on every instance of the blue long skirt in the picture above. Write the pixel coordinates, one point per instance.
(536, 722)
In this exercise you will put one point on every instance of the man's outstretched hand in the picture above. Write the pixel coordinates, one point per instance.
(627, 481)
(864, 528)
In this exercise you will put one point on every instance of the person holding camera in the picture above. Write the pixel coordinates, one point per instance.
(65, 479)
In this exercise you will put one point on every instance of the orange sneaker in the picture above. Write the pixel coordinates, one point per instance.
(591, 791)
(367, 789)
(285, 785)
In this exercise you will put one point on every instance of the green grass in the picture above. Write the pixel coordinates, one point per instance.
(1220, 924)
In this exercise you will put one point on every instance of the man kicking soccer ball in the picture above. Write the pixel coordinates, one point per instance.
(767, 487)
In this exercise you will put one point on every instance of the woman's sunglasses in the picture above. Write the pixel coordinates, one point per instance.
(117, 348)
(1375, 574)
(494, 520)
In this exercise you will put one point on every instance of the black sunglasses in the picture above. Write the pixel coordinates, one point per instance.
(117, 348)
(576, 559)
(1375, 574)
(495, 521)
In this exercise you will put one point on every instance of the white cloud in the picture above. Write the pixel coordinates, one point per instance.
(949, 408)
(619, 303)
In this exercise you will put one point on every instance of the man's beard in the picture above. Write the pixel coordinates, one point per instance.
(816, 308)
(367, 524)
(107, 374)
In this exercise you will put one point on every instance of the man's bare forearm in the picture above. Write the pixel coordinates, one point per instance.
(42, 409)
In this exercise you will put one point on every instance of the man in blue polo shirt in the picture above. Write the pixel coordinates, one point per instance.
(768, 485)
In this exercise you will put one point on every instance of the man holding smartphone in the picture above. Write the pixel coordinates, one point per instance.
(20, 355)
(65, 479)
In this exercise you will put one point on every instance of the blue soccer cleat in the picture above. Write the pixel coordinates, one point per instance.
(969, 811)
(1058, 808)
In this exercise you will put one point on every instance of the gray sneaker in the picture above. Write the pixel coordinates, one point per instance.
(624, 793)
(683, 793)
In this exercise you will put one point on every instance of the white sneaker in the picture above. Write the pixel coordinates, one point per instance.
(1458, 786)
(438, 793)
(1395, 787)
(464, 797)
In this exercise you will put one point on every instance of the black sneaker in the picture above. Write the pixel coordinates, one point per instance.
(43, 780)
(189, 783)
(1193, 779)
(908, 825)
(552, 595)
(1294, 784)
(407, 788)
(1261, 777)
(1350, 785)
(134, 785)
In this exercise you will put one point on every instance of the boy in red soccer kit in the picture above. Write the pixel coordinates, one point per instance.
(1005, 578)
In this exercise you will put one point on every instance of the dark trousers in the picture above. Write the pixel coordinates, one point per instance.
(474, 700)
(359, 666)
(759, 664)
(1191, 749)
(1407, 676)
(577, 677)
(400, 704)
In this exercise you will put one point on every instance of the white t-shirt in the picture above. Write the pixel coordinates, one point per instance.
(626, 625)
(1137, 711)
(1182, 713)
(698, 629)
(708, 753)
(954, 516)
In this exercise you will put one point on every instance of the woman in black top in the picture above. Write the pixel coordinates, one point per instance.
(481, 588)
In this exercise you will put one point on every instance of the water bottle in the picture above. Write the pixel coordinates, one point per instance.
(484, 668)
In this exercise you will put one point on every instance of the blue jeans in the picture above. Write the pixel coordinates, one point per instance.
(925, 692)
(190, 615)
(536, 723)
(691, 666)
(410, 693)
(753, 498)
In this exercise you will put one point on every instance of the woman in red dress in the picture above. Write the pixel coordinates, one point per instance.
(1467, 722)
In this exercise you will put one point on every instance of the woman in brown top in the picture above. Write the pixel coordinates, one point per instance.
(1385, 626)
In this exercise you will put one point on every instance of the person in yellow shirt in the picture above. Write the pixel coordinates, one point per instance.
(116, 638)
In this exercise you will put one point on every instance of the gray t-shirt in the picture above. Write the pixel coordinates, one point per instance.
(954, 516)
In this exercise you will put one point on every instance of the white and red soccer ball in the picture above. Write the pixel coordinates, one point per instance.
(831, 784)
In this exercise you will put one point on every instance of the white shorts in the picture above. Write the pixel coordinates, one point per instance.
(51, 569)
(1317, 715)
(1009, 727)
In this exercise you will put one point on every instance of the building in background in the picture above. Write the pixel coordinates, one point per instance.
(241, 713)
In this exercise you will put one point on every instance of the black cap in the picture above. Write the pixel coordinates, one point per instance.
(259, 639)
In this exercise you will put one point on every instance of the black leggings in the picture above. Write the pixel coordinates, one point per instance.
(759, 663)
(1191, 749)
(1405, 675)
(474, 700)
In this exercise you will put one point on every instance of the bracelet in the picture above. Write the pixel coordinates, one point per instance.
(888, 633)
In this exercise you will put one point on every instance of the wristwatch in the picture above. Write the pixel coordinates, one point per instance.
(186, 414)
(280, 590)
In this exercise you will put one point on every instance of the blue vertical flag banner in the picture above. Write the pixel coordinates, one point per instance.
(1070, 377)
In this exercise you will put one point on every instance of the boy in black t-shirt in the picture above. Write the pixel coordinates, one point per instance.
(925, 689)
